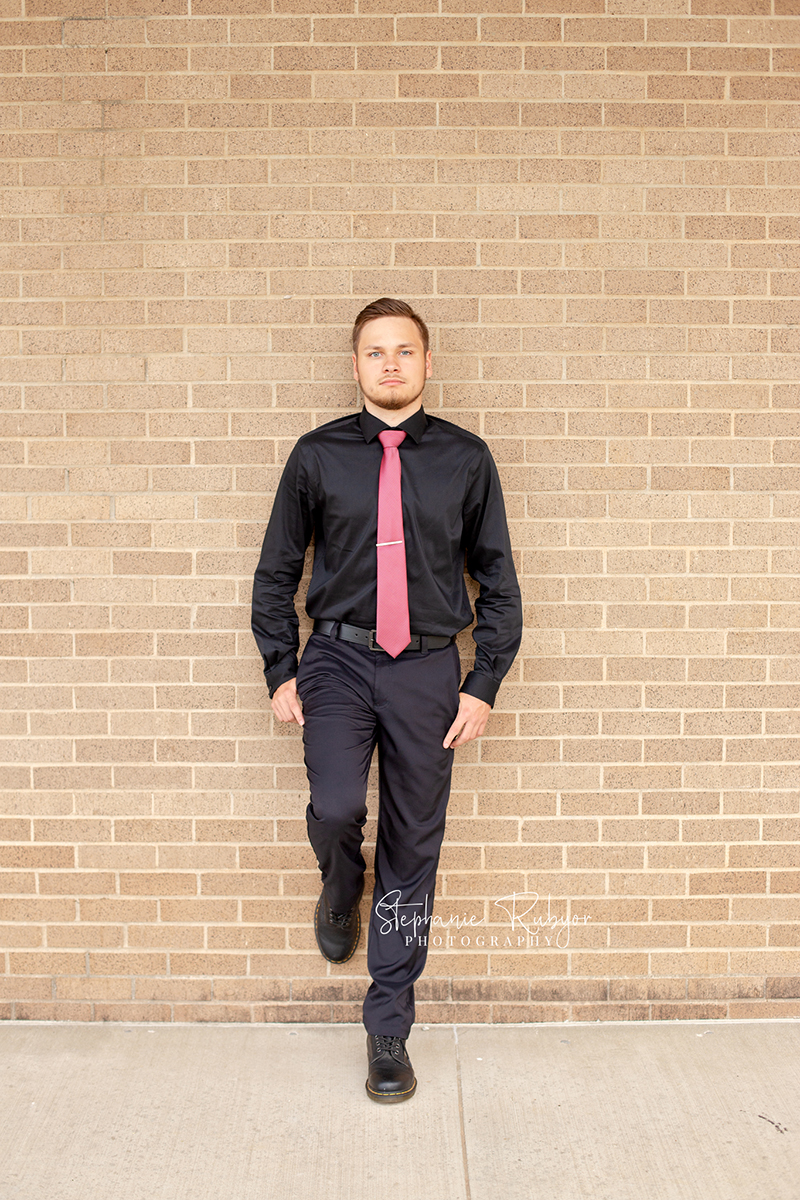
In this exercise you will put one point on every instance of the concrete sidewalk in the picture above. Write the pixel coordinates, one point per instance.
(678, 1111)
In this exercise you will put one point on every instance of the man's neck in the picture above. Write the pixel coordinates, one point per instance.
(395, 416)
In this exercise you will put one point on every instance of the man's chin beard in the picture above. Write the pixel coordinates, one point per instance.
(391, 402)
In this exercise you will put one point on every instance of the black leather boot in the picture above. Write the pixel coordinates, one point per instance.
(337, 933)
(391, 1075)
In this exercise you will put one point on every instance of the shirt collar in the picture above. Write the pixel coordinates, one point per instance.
(414, 426)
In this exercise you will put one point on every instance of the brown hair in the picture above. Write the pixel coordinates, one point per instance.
(388, 307)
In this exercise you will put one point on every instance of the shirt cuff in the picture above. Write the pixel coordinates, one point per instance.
(285, 670)
(483, 687)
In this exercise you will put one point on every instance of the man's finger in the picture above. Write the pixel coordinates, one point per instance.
(453, 732)
(456, 729)
(466, 733)
(291, 710)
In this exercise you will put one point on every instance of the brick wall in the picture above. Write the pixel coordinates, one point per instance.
(596, 209)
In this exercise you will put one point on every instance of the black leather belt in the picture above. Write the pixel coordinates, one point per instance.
(366, 637)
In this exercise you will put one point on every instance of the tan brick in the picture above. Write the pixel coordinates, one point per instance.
(610, 964)
(783, 988)
(61, 962)
(605, 858)
(603, 30)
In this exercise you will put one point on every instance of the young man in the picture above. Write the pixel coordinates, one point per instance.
(395, 499)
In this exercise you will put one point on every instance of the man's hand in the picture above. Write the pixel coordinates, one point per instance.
(470, 721)
(286, 703)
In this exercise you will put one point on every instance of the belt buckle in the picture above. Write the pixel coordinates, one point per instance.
(372, 644)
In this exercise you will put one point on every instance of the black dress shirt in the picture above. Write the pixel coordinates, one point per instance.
(452, 507)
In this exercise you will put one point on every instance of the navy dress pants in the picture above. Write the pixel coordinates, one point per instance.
(355, 699)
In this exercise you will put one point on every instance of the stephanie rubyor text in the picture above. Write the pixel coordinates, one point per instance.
(414, 921)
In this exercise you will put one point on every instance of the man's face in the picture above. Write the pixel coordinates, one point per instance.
(391, 364)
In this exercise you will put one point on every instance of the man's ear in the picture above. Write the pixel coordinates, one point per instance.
(355, 367)
(428, 367)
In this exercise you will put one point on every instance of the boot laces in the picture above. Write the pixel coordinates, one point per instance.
(343, 920)
(387, 1045)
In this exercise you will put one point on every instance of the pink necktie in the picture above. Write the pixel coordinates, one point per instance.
(392, 631)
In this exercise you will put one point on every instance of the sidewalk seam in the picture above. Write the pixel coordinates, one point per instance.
(461, 1125)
